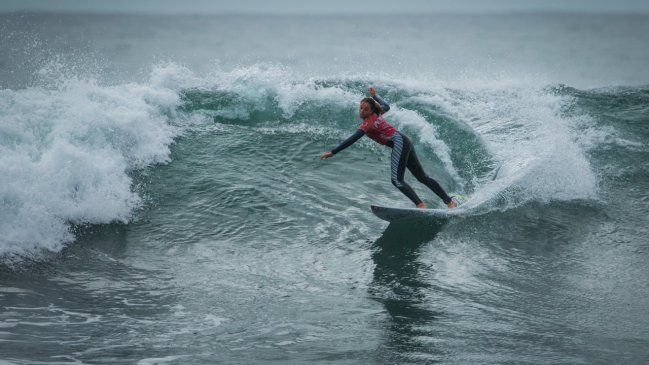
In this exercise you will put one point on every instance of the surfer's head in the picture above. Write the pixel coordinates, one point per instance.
(367, 107)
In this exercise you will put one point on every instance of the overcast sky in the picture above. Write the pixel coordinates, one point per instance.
(325, 6)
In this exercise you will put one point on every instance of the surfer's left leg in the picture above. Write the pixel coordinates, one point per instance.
(418, 171)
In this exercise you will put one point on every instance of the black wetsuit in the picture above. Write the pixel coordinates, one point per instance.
(403, 156)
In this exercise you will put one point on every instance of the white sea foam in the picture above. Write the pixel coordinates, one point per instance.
(66, 153)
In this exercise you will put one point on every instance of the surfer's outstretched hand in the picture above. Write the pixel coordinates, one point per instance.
(372, 91)
(326, 155)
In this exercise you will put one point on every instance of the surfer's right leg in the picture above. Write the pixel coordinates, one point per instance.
(399, 161)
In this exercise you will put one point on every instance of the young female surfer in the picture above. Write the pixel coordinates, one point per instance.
(403, 152)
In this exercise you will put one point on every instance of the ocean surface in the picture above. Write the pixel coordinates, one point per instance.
(162, 200)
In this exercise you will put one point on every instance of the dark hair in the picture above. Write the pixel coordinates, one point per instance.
(376, 107)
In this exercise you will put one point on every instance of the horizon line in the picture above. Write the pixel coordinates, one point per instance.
(324, 13)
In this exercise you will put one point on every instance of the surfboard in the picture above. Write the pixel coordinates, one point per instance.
(392, 214)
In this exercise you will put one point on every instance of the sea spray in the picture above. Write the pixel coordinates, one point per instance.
(534, 144)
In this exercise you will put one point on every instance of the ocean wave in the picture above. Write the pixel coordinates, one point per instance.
(70, 148)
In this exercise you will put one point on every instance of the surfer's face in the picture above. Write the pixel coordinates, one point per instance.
(364, 110)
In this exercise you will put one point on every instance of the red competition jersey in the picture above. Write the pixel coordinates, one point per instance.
(377, 128)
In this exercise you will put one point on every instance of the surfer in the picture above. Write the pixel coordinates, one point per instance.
(403, 152)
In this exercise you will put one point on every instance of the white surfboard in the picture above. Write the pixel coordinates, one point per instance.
(392, 214)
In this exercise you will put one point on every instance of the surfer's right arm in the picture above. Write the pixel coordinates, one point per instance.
(346, 143)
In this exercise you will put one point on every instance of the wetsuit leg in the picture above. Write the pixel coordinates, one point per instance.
(399, 160)
(418, 171)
